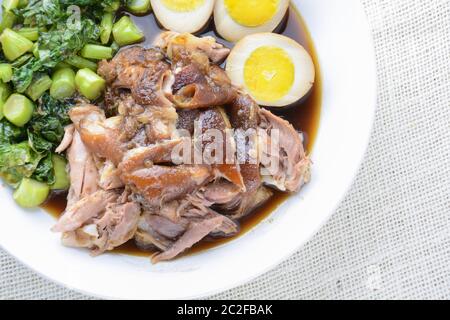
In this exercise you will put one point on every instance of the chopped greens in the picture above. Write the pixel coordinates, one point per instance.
(17, 161)
(44, 44)
(49, 120)
(26, 152)
(67, 32)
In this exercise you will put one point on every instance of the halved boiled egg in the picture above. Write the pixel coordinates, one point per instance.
(275, 70)
(183, 15)
(236, 19)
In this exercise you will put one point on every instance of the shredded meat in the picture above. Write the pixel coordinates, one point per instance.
(67, 140)
(293, 164)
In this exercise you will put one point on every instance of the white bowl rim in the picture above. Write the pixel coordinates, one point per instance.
(232, 284)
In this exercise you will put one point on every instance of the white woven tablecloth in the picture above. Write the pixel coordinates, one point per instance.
(390, 238)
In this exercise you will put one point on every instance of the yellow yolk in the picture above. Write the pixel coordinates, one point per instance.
(252, 13)
(183, 5)
(269, 73)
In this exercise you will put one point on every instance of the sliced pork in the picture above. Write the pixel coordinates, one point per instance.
(85, 210)
(195, 233)
(82, 171)
(198, 83)
(67, 139)
(160, 184)
(287, 167)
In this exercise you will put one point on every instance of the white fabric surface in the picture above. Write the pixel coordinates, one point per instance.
(390, 238)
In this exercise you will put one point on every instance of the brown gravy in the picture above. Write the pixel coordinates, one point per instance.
(304, 115)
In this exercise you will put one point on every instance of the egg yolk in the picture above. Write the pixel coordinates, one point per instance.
(269, 73)
(183, 5)
(252, 13)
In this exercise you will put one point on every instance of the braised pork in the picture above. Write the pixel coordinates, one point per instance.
(134, 166)
(198, 83)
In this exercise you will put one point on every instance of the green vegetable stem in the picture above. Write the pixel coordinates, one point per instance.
(37, 88)
(31, 193)
(5, 92)
(9, 5)
(93, 51)
(8, 20)
(62, 180)
(138, 7)
(18, 109)
(125, 32)
(106, 26)
(63, 83)
(5, 72)
(14, 45)
(81, 63)
(89, 84)
(31, 34)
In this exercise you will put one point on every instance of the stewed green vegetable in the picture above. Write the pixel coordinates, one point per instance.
(62, 180)
(31, 34)
(5, 92)
(138, 6)
(14, 45)
(63, 84)
(81, 63)
(106, 26)
(125, 32)
(31, 193)
(93, 51)
(6, 72)
(44, 59)
(89, 84)
(38, 87)
(18, 109)
(9, 5)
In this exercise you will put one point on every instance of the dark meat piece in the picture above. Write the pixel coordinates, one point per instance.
(143, 71)
(186, 119)
(188, 222)
(195, 233)
(144, 125)
(219, 151)
(195, 88)
(244, 117)
(198, 83)
(221, 192)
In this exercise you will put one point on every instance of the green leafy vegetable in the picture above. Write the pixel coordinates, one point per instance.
(26, 152)
(17, 161)
(68, 32)
(44, 171)
(49, 120)
(9, 133)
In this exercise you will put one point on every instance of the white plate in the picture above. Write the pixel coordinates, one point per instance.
(344, 46)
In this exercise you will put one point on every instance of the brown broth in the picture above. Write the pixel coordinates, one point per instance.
(304, 115)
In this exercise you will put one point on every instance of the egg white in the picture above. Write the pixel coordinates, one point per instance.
(303, 65)
(190, 21)
(232, 31)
